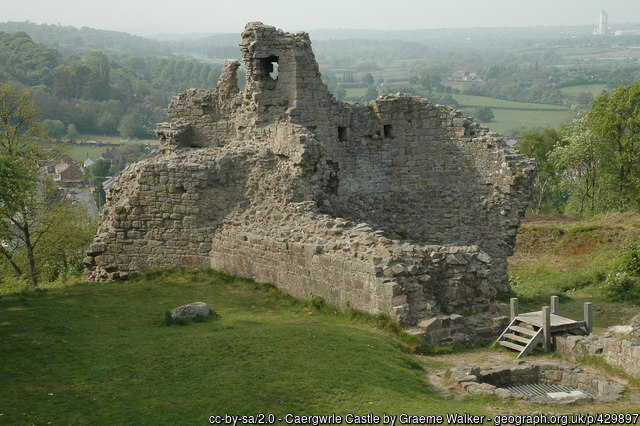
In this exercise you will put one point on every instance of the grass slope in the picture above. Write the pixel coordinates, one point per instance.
(99, 353)
(570, 258)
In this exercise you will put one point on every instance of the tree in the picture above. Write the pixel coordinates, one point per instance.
(54, 128)
(19, 126)
(582, 160)
(106, 122)
(367, 80)
(484, 114)
(24, 200)
(370, 94)
(539, 145)
(615, 120)
(72, 132)
(64, 245)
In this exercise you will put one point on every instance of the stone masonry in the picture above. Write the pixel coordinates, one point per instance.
(619, 346)
(398, 206)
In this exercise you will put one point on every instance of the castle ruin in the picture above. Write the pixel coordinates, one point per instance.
(398, 206)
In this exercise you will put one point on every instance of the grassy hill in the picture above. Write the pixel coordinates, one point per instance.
(101, 353)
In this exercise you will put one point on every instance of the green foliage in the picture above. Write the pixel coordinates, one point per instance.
(24, 61)
(370, 94)
(599, 158)
(72, 132)
(582, 160)
(615, 121)
(630, 261)
(95, 93)
(621, 286)
(539, 145)
(54, 128)
(340, 93)
(316, 302)
(100, 169)
(484, 114)
(40, 237)
(446, 99)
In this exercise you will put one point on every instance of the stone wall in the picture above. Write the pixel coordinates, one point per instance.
(398, 206)
(618, 347)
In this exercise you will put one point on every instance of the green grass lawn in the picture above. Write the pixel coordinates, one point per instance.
(99, 353)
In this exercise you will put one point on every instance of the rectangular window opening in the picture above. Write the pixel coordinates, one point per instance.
(342, 134)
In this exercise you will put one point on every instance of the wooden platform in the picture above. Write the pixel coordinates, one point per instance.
(558, 323)
(526, 331)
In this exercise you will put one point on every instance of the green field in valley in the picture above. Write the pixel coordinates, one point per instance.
(514, 117)
(480, 101)
(511, 122)
(594, 89)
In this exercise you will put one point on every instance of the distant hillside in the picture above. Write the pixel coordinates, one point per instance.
(113, 43)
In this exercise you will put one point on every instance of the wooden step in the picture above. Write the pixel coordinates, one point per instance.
(512, 345)
(522, 330)
(532, 344)
(517, 338)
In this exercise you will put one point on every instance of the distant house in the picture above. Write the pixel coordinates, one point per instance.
(108, 184)
(66, 172)
(115, 156)
(88, 163)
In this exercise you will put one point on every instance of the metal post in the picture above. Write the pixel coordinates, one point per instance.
(555, 301)
(546, 327)
(588, 317)
(514, 307)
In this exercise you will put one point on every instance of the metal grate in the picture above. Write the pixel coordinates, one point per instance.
(537, 389)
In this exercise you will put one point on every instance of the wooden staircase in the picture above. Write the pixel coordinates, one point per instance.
(529, 329)
(519, 338)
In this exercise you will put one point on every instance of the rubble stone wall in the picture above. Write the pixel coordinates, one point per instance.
(399, 206)
(622, 353)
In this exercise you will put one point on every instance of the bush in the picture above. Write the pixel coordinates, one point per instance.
(316, 302)
(621, 285)
(484, 114)
(630, 261)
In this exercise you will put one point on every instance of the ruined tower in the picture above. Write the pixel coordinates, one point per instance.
(398, 206)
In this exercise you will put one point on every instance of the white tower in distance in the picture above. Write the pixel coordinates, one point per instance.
(603, 24)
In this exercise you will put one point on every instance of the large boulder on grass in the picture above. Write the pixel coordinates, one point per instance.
(191, 311)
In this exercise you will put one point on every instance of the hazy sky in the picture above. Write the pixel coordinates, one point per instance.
(148, 17)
